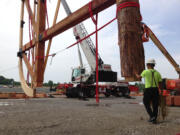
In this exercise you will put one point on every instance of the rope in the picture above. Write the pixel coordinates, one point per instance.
(91, 13)
(127, 4)
(42, 57)
(79, 41)
(95, 21)
(91, 33)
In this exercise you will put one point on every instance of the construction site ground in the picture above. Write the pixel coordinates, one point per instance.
(64, 116)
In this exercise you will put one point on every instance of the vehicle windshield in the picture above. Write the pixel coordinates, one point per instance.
(76, 72)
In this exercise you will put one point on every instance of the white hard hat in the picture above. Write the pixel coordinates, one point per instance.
(151, 61)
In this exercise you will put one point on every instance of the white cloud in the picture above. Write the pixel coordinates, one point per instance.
(159, 6)
(160, 31)
(165, 68)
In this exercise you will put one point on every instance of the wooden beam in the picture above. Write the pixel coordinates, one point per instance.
(74, 19)
(28, 45)
(21, 26)
(77, 17)
(130, 41)
(40, 47)
(29, 67)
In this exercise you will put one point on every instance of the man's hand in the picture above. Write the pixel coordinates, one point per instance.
(138, 76)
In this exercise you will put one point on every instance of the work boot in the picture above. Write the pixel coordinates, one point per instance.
(151, 119)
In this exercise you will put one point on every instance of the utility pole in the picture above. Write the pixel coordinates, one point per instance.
(130, 42)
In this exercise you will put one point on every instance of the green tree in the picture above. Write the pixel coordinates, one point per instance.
(50, 83)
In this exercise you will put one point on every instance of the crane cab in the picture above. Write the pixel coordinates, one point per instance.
(78, 74)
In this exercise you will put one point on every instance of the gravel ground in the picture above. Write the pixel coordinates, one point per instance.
(63, 116)
(19, 90)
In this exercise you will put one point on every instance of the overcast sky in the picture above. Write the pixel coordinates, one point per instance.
(162, 16)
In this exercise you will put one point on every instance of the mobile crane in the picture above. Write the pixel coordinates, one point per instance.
(85, 81)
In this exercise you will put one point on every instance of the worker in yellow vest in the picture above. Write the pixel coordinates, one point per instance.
(151, 94)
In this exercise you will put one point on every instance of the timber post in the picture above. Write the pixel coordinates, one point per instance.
(130, 41)
(40, 48)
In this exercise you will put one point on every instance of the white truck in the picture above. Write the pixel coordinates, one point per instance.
(84, 82)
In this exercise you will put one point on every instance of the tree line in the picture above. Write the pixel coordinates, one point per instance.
(6, 81)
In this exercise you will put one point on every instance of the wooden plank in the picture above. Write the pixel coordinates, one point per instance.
(28, 46)
(29, 67)
(21, 26)
(40, 47)
(130, 42)
(74, 19)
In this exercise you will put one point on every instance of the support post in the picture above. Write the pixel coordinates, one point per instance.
(130, 42)
(40, 47)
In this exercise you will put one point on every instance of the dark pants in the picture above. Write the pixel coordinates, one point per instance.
(151, 95)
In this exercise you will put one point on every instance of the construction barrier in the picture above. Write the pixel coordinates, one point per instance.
(170, 100)
(177, 100)
(173, 100)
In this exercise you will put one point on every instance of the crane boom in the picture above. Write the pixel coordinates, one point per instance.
(87, 44)
(66, 7)
(79, 74)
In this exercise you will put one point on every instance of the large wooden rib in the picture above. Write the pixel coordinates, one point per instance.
(28, 91)
(74, 19)
(130, 42)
